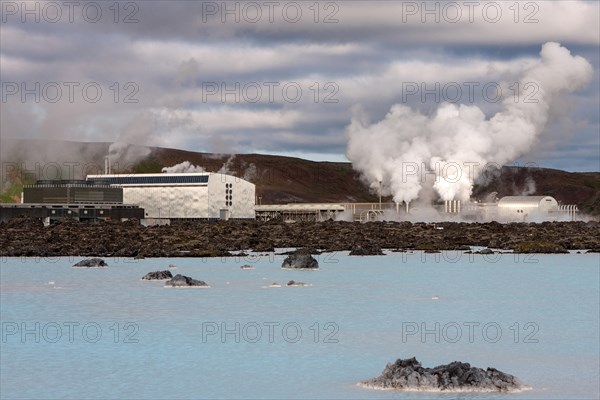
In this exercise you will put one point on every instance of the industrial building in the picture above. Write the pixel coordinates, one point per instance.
(70, 192)
(526, 207)
(50, 201)
(167, 196)
(514, 209)
(152, 198)
(49, 212)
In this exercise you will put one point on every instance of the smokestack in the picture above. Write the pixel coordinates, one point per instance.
(106, 166)
(380, 195)
(407, 204)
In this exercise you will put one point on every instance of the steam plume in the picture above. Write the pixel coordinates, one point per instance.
(183, 167)
(385, 152)
(138, 130)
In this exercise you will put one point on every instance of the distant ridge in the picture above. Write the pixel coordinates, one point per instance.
(282, 179)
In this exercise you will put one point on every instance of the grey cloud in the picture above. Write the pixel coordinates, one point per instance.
(172, 51)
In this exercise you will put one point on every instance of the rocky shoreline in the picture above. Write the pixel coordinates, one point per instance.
(26, 237)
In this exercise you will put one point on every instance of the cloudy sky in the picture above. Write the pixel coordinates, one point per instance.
(282, 77)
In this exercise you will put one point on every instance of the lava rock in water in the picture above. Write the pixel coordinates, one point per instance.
(485, 251)
(457, 376)
(366, 251)
(91, 263)
(294, 283)
(185, 281)
(157, 276)
(247, 266)
(300, 259)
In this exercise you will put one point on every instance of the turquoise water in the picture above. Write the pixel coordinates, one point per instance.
(103, 333)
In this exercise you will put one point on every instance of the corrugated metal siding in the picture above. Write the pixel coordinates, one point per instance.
(75, 194)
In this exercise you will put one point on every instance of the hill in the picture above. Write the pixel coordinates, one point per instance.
(278, 179)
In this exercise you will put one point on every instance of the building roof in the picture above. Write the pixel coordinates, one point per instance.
(148, 179)
(150, 175)
(300, 207)
(524, 201)
(194, 178)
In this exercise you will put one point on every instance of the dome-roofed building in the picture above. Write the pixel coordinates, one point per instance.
(523, 208)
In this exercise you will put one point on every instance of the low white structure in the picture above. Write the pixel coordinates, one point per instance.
(185, 195)
(298, 211)
(526, 208)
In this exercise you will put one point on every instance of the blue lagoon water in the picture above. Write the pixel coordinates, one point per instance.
(71, 333)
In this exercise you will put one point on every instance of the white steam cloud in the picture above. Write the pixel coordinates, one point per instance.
(386, 152)
(225, 168)
(188, 167)
(184, 167)
(529, 188)
(138, 130)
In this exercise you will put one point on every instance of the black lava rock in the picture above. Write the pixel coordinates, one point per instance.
(300, 259)
(91, 263)
(366, 251)
(157, 276)
(408, 374)
(184, 281)
(485, 251)
(294, 283)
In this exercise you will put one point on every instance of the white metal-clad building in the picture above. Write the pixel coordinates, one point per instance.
(185, 195)
(524, 207)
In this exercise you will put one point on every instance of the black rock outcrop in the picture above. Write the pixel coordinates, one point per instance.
(91, 263)
(366, 251)
(409, 375)
(485, 251)
(300, 259)
(21, 237)
(540, 247)
(184, 281)
(157, 276)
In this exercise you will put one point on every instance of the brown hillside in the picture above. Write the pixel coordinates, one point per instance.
(279, 179)
(286, 179)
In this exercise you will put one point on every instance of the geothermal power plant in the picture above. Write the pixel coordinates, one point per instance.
(381, 152)
(165, 198)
